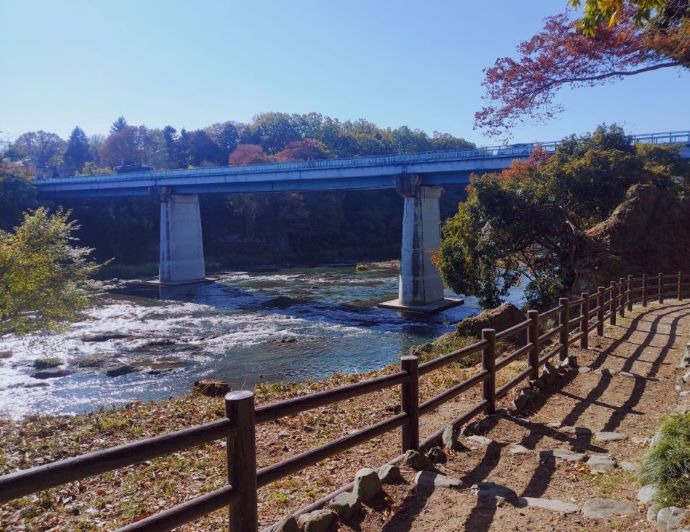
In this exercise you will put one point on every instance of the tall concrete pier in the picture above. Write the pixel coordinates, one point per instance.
(181, 246)
(420, 288)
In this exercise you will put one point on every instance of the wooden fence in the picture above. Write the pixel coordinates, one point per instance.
(548, 334)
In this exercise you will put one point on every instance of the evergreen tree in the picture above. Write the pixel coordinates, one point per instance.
(78, 151)
(118, 125)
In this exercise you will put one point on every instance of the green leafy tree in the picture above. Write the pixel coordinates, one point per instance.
(43, 275)
(529, 223)
(78, 151)
(41, 149)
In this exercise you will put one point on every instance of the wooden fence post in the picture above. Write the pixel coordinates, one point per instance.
(628, 290)
(680, 286)
(661, 288)
(489, 364)
(612, 304)
(601, 298)
(621, 297)
(644, 289)
(584, 324)
(564, 316)
(241, 457)
(410, 403)
(533, 338)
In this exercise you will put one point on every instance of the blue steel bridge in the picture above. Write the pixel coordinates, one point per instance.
(417, 176)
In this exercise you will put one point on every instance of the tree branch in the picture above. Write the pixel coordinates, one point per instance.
(612, 74)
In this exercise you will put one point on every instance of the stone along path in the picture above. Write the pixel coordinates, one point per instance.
(568, 464)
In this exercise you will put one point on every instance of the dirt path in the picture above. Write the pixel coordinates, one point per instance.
(628, 389)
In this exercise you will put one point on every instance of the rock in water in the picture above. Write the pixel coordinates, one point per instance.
(211, 387)
(122, 369)
(50, 373)
(367, 485)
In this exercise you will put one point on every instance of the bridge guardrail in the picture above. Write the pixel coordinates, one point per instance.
(672, 137)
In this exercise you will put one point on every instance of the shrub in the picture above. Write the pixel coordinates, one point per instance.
(667, 463)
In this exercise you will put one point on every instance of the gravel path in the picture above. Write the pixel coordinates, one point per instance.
(609, 411)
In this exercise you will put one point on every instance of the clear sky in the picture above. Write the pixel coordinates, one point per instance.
(193, 63)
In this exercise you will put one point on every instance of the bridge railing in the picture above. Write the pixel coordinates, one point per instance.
(540, 337)
(515, 150)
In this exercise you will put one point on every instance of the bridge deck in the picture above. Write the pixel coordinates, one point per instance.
(359, 173)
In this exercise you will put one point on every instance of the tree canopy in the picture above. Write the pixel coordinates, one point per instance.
(529, 223)
(613, 40)
(42, 273)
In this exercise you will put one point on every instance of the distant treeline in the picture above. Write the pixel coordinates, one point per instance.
(241, 228)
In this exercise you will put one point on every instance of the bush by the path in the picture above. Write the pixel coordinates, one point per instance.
(667, 464)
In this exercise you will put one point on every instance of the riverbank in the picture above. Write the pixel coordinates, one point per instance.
(117, 498)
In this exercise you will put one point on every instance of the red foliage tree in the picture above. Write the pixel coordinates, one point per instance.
(248, 154)
(560, 55)
(303, 150)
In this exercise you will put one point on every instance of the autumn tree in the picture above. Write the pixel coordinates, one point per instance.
(303, 150)
(248, 154)
(121, 147)
(643, 36)
(77, 152)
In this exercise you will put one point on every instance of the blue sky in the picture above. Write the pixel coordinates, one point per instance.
(190, 64)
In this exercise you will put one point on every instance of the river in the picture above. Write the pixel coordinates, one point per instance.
(247, 327)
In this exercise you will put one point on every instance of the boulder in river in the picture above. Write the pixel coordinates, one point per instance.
(120, 369)
(103, 337)
(50, 373)
(47, 362)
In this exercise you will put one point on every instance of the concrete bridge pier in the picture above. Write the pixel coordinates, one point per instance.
(181, 245)
(420, 287)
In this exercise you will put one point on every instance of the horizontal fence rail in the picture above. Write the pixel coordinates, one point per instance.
(536, 340)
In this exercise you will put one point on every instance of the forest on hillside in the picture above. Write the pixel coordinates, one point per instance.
(239, 229)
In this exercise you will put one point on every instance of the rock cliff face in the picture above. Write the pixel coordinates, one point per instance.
(649, 232)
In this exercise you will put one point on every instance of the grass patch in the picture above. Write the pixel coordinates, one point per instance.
(610, 482)
(667, 464)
